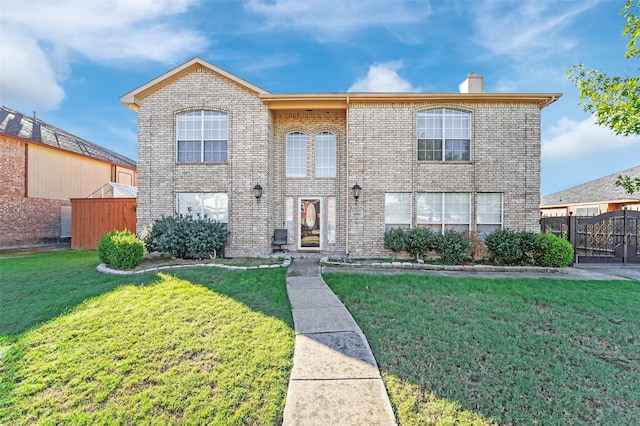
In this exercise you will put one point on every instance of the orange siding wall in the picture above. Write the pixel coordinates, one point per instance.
(91, 218)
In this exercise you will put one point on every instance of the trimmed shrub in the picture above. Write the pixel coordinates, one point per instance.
(452, 247)
(121, 249)
(395, 240)
(554, 251)
(186, 237)
(511, 247)
(420, 241)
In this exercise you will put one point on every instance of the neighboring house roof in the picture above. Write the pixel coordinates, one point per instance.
(595, 191)
(16, 124)
(326, 100)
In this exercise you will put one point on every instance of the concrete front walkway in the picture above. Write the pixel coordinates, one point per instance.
(335, 378)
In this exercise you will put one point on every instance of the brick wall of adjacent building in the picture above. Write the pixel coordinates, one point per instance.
(23, 221)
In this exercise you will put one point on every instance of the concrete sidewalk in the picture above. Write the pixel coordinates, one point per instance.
(335, 378)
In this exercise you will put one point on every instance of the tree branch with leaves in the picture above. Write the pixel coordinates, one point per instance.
(615, 100)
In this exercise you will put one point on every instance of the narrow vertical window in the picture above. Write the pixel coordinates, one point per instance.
(325, 154)
(488, 213)
(296, 154)
(397, 210)
(331, 220)
(289, 219)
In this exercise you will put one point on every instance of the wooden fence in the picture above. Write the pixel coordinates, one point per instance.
(91, 218)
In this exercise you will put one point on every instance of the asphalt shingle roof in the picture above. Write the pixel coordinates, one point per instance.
(595, 191)
(17, 124)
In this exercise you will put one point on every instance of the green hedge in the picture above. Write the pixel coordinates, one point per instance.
(121, 249)
(184, 236)
(554, 251)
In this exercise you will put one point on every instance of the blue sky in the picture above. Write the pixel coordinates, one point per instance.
(71, 60)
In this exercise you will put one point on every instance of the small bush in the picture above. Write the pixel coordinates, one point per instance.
(511, 247)
(420, 241)
(186, 237)
(478, 247)
(395, 240)
(452, 247)
(121, 249)
(554, 251)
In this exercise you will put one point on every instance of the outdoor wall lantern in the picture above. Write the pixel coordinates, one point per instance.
(257, 191)
(355, 191)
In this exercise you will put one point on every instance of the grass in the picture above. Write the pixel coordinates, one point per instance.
(511, 351)
(200, 346)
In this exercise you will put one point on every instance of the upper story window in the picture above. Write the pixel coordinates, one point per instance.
(444, 135)
(296, 154)
(325, 154)
(202, 136)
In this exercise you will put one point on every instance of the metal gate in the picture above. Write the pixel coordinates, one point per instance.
(612, 237)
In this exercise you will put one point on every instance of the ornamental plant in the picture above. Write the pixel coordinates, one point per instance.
(512, 247)
(554, 251)
(420, 241)
(184, 236)
(121, 249)
(452, 247)
(395, 240)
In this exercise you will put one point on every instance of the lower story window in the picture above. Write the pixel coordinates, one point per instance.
(397, 210)
(289, 219)
(212, 205)
(444, 210)
(488, 212)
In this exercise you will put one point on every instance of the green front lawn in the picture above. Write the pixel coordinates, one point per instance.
(513, 351)
(201, 346)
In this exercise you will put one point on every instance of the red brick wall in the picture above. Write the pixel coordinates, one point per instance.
(23, 221)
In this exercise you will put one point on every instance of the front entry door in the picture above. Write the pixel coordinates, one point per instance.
(310, 232)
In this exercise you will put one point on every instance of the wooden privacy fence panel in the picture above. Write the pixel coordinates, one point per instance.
(91, 218)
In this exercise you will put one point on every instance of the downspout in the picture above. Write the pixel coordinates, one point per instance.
(347, 181)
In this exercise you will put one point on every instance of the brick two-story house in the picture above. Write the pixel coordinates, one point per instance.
(208, 139)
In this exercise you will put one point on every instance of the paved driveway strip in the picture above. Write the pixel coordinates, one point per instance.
(335, 378)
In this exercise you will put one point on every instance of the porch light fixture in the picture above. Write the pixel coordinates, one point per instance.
(257, 191)
(355, 191)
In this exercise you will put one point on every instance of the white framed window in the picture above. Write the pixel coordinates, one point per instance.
(397, 210)
(296, 154)
(325, 154)
(587, 211)
(444, 210)
(331, 220)
(489, 217)
(202, 136)
(212, 205)
(444, 135)
(289, 219)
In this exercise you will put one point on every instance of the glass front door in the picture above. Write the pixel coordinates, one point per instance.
(310, 232)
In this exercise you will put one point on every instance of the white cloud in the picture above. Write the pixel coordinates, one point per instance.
(525, 30)
(26, 76)
(330, 19)
(572, 139)
(383, 78)
(50, 35)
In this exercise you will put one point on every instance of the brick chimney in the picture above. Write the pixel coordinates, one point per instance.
(473, 84)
